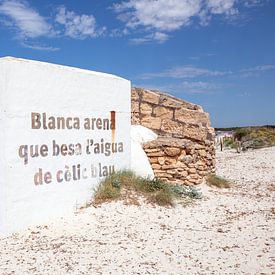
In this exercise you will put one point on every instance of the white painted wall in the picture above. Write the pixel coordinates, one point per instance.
(30, 86)
(140, 163)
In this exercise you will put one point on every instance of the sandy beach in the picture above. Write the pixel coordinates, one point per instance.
(228, 231)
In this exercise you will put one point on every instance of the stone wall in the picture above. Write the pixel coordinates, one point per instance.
(184, 152)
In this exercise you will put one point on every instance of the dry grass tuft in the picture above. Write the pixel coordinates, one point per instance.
(213, 180)
(163, 198)
(129, 187)
(107, 191)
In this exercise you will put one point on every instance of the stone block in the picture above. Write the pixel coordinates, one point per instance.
(184, 174)
(153, 123)
(182, 154)
(172, 151)
(135, 120)
(145, 109)
(171, 172)
(192, 177)
(195, 132)
(172, 127)
(202, 153)
(163, 112)
(135, 94)
(150, 97)
(164, 175)
(168, 166)
(181, 165)
(189, 150)
(155, 154)
(152, 150)
(135, 106)
(170, 161)
(161, 160)
(187, 159)
(153, 160)
(202, 173)
(175, 103)
(156, 166)
(209, 156)
(192, 117)
(192, 171)
(200, 163)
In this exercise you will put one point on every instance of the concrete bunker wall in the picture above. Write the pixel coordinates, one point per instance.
(50, 168)
(184, 152)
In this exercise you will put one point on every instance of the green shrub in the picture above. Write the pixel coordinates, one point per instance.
(240, 133)
(229, 142)
(188, 191)
(255, 137)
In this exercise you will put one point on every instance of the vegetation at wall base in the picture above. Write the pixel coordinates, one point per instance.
(186, 191)
(214, 180)
(122, 184)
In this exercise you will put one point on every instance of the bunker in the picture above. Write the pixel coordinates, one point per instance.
(60, 133)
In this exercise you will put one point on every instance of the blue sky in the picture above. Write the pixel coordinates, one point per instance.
(216, 53)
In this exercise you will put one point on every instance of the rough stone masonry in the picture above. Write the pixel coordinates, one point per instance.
(184, 152)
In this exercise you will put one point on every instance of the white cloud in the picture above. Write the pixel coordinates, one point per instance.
(39, 47)
(243, 94)
(199, 87)
(158, 37)
(259, 68)
(187, 71)
(119, 32)
(222, 6)
(254, 3)
(190, 71)
(78, 26)
(26, 20)
(29, 25)
(186, 87)
(161, 15)
(196, 85)
(256, 71)
(170, 15)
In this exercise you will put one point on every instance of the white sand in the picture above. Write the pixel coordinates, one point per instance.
(227, 232)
